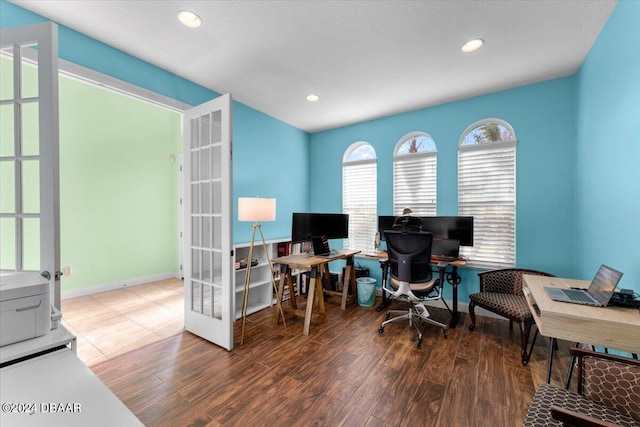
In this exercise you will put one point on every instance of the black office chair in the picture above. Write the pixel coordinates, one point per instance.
(407, 223)
(412, 278)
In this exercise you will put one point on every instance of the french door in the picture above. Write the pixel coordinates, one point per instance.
(207, 205)
(29, 196)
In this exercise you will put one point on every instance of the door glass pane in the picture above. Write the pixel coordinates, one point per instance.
(207, 300)
(8, 242)
(195, 135)
(206, 232)
(6, 129)
(195, 198)
(206, 266)
(216, 302)
(195, 264)
(29, 81)
(195, 230)
(6, 74)
(30, 129)
(217, 197)
(8, 194)
(217, 162)
(206, 197)
(31, 186)
(217, 232)
(196, 296)
(205, 164)
(31, 244)
(195, 166)
(205, 125)
(216, 129)
(217, 270)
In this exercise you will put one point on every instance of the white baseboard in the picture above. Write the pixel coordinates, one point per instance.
(72, 293)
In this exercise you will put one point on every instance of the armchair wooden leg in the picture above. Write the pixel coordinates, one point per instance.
(525, 330)
(472, 315)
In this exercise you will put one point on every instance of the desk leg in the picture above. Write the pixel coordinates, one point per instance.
(284, 272)
(349, 281)
(454, 281)
(323, 270)
(572, 363)
(314, 281)
(384, 266)
(552, 344)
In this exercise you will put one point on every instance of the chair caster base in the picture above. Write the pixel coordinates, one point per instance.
(472, 326)
(381, 330)
(419, 343)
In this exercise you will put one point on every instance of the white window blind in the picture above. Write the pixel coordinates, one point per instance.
(486, 191)
(359, 200)
(415, 183)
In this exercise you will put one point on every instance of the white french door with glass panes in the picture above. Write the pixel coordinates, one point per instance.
(208, 282)
(29, 190)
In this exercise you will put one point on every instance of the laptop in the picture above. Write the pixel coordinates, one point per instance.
(598, 293)
(321, 246)
(447, 250)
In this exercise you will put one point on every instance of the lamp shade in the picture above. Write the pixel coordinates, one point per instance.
(256, 209)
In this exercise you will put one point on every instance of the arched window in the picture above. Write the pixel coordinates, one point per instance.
(359, 195)
(487, 191)
(415, 174)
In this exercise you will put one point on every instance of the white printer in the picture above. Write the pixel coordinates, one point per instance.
(25, 307)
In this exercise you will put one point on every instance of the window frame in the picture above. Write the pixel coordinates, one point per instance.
(429, 159)
(505, 255)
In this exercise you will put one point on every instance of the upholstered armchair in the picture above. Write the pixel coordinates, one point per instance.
(608, 394)
(501, 293)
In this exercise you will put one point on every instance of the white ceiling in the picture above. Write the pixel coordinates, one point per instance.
(365, 59)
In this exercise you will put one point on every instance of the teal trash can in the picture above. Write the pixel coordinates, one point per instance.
(366, 291)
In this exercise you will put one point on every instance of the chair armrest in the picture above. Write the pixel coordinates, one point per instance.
(575, 419)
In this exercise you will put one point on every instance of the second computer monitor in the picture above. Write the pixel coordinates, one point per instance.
(304, 226)
(443, 227)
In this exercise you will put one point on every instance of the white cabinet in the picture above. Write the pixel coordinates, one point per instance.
(261, 293)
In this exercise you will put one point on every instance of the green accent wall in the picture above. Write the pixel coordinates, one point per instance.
(118, 186)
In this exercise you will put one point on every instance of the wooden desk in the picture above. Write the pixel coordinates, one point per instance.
(612, 327)
(451, 277)
(318, 267)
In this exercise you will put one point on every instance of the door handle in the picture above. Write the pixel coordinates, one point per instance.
(47, 275)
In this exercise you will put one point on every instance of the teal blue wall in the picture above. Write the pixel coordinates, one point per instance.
(608, 150)
(271, 161)
(542, 116)
(270, 157)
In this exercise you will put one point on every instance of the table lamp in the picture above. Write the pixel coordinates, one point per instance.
(256, 209)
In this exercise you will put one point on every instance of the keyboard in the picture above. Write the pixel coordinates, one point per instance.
(575, 295)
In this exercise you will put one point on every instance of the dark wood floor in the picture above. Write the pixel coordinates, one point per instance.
(343, 373)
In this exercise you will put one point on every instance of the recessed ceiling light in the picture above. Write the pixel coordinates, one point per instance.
(472, 45)
(312, 97)
(189, 18)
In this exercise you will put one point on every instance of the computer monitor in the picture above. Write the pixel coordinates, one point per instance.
(450, 227)
(442, 227)
(385, 222)
(304, 226)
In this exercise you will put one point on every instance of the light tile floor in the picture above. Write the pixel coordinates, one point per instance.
(114, 322)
